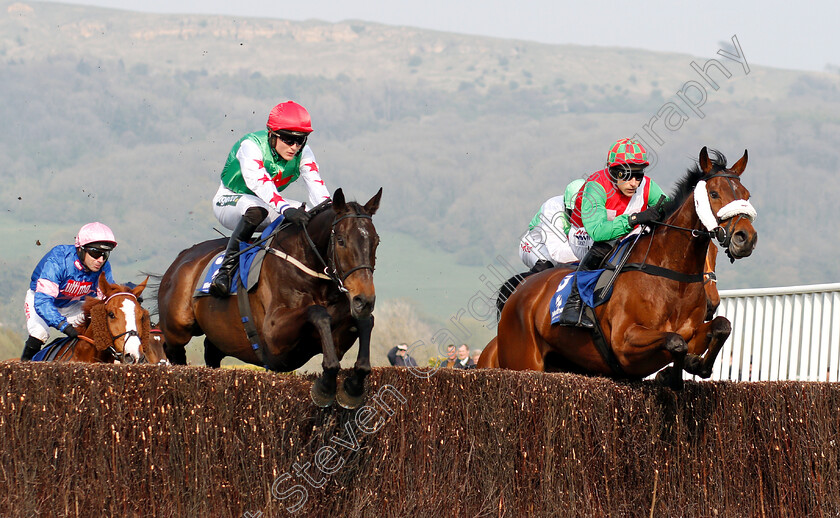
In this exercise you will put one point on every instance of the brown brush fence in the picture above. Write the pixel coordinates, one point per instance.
(148, 441)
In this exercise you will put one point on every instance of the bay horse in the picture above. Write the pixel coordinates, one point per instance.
(116, 328)
(298, 311)
(489, 355)
(656, 313)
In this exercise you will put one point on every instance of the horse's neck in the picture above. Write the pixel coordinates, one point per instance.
(297, 245)
(677, 249)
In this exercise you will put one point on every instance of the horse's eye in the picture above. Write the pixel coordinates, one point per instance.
(111, 314)
(339, 240)
(714, 195)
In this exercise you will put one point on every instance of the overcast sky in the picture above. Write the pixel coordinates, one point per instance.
(785, 34)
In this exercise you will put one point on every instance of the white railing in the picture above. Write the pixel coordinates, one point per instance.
(790, 333)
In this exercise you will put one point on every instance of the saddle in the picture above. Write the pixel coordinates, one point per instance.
(50, 351)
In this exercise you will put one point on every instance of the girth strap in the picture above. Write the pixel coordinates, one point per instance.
(603, 347)
(248, 320)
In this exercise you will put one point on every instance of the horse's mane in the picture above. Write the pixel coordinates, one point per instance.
(685, 185)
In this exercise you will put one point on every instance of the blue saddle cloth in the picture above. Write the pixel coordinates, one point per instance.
(586, 279)
(49, 352)
(246, 261)
(591, 283)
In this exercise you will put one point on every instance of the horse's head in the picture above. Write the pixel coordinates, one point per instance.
(155, 349)
(723, 206)
(118, 320)
(353, 243)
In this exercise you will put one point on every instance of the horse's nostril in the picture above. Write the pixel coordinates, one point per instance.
(129, 358)
(361, 303)
(739, 238)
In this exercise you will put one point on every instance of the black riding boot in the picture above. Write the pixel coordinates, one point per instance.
(31, 348)
(220, 287)
(541, 266)
(573, 311)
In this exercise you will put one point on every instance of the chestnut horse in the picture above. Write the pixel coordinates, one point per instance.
(297, 310)
(116, 328)
(490, 359)
(656, 313)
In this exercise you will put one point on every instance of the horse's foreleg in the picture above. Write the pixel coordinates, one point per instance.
(212, 355)
(710, 338)
(352, 391)
(643, 341)
(323, 389)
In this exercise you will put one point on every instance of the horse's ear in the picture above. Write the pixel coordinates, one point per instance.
(705, 163)
(106, 287)
(373, 204)
(740, 165)
(338, 201)
(140, 287)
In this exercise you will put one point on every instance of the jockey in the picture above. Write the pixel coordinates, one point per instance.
(546, 243)
(61, 281)
(260, 165)
(613, 201)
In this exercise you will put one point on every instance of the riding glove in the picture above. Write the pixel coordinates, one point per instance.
(297, 216)
(71, 331)
(646, 216)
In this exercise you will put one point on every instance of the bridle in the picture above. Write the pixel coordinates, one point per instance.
(714, 223)
(739, 207)
(332, 268)
(131, 332)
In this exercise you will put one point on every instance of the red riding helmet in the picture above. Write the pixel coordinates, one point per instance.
(289, 116)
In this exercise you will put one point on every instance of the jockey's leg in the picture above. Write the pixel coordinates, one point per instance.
(31, 348)
(573, 314)
(220, 287)
(541, 265)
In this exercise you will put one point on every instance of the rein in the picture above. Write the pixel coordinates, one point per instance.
(332, 270)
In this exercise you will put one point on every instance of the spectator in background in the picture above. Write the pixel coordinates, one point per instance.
(451, 357)
(392, 356)
(404, 359)
(463, 360)
(474, 356)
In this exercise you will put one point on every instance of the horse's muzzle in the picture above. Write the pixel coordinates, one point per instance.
(742, 244)
(361, 306)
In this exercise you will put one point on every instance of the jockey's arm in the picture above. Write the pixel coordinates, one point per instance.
(46, 291)
(318, 192)
(655, 193)
(594, 215)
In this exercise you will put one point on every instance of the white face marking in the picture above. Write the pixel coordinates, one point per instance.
(132, 343)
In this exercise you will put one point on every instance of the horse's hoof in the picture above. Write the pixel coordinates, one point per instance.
(320, 397)
(350, 402)
(671, 378)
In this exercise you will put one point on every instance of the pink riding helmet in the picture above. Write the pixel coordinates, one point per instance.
(95, 233)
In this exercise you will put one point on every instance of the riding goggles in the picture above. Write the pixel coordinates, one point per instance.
(291, 139)
(96, 253)
(626, 175)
